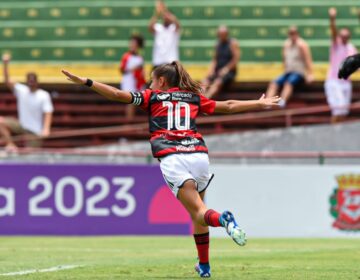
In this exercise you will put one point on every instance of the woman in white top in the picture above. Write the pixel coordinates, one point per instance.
(166, 35)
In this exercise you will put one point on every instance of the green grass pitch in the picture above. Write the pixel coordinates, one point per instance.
(174, 258)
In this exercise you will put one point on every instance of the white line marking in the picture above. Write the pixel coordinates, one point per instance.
(50, 269)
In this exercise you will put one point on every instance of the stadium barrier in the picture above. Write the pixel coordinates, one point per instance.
(100, 199)
(88, 199)
(218, 121)
(289, 201)
(148, 158)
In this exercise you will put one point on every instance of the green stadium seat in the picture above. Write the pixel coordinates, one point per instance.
(46, 30)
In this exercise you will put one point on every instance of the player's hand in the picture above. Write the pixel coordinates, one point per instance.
(73, 78)
(332, 13)
(349, 66)
(269, 102)
(6, 57)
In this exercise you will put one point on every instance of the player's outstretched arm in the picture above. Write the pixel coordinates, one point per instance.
(107, 91)
(237, 106)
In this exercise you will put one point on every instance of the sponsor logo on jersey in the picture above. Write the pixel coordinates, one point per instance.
(178, 96)
(181, 148)
(191, 141)
(345, 203)
(163, 96)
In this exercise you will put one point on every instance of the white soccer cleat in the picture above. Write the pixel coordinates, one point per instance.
(227, 220)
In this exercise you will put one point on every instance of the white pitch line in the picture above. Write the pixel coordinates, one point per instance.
(50, 269)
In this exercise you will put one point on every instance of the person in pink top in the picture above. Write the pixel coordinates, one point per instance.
(338, 92)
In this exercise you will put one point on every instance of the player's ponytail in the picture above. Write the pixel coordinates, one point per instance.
(176, 76)
(185, 81)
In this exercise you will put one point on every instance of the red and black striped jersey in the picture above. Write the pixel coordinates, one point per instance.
(172, 115)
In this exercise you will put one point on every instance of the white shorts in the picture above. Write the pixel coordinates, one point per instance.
(179, 168)
(338, 95)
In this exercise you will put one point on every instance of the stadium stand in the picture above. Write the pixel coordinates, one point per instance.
(89, 37)
(92, 31)
(77, 108)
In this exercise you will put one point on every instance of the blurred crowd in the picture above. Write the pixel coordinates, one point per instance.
(35, 108)
(296, 58)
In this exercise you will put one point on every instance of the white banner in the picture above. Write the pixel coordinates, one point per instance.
(289, 201)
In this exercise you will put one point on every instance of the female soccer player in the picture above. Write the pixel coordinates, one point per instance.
(173, 102)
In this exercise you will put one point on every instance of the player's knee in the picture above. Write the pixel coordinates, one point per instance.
(198, 216)
(197, 212)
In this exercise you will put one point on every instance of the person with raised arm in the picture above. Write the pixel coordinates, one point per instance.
(34, 107)
(338, 92)
(166, 34)
(173, 102)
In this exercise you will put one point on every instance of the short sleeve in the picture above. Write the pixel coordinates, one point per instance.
(158, 27)
(47, 106)
(141, 98)
(124, 60)
(19, 89)
(172, 27)
(353, 50)
(207, 106)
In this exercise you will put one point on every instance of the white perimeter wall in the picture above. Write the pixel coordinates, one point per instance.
(278, 201)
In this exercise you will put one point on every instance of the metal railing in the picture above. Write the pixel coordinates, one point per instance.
(147, 156)
(287, 114)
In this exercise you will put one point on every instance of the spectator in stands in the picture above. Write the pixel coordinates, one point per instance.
(338, 92)
(298, 67)
(223, 66)
(34, 110)
(166, 35)
(132, 70)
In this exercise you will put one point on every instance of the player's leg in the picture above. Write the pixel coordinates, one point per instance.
(194, 204)
(200, 170)
(198, 228)
(191, 200)
(202, 242)
(199, 213)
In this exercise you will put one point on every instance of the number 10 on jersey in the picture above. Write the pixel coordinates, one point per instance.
(174, 118)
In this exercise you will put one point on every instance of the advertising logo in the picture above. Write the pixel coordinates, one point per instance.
(163, 96)
(345, 203)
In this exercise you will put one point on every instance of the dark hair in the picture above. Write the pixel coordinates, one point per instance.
(176, 76)
(138, 39)
(31, 75)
